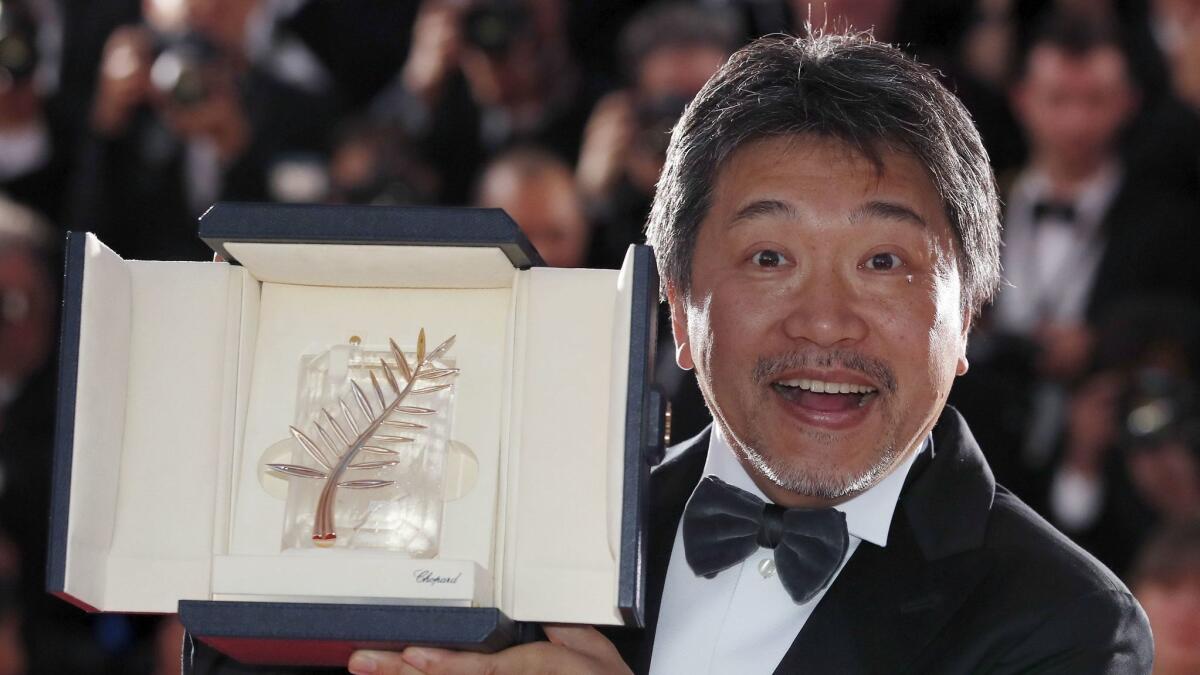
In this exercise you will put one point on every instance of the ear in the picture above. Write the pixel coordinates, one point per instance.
(679, 328)
(963, 366)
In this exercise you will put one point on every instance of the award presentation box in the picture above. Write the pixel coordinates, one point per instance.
(177, 377)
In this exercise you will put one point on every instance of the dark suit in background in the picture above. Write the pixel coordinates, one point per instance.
(971, 581)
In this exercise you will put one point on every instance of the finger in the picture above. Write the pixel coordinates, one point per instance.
(365, 662)
(519, 660)
(583, 639)
(440, 661)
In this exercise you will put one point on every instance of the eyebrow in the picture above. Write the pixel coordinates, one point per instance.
(887, 211)
(872, 209)
(764, 207)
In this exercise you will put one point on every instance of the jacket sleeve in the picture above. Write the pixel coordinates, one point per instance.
(1102, 632)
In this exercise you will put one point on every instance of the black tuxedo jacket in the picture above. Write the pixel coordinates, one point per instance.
(971, 581)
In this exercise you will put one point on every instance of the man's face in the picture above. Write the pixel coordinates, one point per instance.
(678, 70)
(814, 273)
(1072, 107)
(548, 210)
(1167, 477)
(26, 314)
(1173, 607)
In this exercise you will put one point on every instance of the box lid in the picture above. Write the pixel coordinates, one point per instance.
(226, 223)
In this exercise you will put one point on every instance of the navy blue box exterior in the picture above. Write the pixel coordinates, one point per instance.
(643, 436)
(318, 634)
(64, 422)
(400, 225)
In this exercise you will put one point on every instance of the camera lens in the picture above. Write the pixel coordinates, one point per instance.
(1156, 407)
(18, 50)
(494, 28)
(179, 70)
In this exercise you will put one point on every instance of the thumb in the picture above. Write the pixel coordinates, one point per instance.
(365, 662)
(583, 639)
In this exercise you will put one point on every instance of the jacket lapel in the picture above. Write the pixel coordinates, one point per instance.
(889, 603)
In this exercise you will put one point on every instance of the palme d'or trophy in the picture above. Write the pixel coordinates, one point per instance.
(375, 426)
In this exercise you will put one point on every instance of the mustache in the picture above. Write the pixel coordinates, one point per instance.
(767, 368)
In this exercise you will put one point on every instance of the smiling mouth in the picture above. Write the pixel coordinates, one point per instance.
(825, 396)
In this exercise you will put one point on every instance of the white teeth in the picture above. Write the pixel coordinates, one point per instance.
(821, 387)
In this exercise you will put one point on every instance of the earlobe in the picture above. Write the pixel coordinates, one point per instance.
(961, 368)
(683, 352)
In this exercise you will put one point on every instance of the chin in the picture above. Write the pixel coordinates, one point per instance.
(822, 474)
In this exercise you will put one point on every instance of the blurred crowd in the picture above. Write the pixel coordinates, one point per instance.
(128, 118)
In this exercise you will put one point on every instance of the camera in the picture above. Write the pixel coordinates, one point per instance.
(494, 26)
(18, 43)
(180, 66)
(655, 119)
(1157, 408)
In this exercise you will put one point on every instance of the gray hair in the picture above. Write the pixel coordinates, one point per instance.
(867, 94)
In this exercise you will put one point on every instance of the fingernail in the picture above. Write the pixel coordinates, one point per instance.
(362, 664)
(418, 658)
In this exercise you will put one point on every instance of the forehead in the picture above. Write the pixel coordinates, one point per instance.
(822, 176)
(540, 200)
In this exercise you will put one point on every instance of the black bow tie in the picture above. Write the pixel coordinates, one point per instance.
(1064, 211)
(723, 525)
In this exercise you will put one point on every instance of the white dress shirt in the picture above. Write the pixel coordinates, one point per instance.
(743, 620)
(1051, 265)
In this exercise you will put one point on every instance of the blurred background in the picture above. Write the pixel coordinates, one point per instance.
(128, 118)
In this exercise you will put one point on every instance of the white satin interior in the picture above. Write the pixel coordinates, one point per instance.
(188, 371)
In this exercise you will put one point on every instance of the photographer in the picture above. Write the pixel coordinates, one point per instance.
(483, 76)
(1166, 580)
(1131, 460)
(669, 51)
(33, 146)
(202, 102)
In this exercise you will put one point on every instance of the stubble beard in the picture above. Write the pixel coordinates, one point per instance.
(804, 475)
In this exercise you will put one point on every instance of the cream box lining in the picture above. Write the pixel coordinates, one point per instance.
(177, 359)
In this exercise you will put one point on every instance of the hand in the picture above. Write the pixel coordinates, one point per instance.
(219, 116)
(437, 39)
(124, 80)
(572, 649)
(606, 143)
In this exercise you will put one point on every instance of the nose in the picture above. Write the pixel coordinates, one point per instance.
(824, 310)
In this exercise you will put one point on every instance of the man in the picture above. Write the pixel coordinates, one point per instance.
(1167, 582)
(537, 189)
(205, 101)
(483, 76)
(827, 222)
(1083, 232)
(1080, 231)
(668, 51)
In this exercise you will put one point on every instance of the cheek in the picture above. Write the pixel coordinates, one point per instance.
(925, 332)
(726, 328)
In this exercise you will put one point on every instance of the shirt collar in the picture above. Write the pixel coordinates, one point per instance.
(868, 514)
(1093, 199)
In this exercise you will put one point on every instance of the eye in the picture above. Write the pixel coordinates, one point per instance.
(882, 262)
(768, 258)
